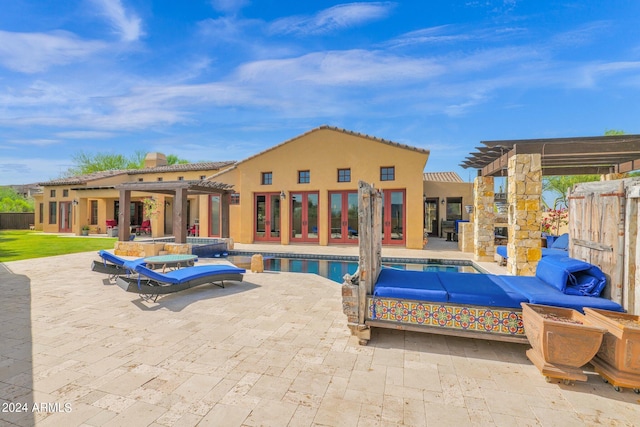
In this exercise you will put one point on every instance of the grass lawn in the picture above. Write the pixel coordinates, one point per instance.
(21, 244)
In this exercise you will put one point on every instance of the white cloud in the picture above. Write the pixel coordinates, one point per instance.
(340, 68)
(127, 25)
(36, 52)
(332, 19)
(85, 134)
(34, 142)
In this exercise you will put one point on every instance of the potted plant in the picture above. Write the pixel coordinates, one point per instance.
(618, 360)
(85, 230)
(562, 340)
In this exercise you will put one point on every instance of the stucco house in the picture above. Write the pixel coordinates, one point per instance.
(303, 190)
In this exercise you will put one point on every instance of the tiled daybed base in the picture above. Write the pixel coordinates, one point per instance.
(501, 324)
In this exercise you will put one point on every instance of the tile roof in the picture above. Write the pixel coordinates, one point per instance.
(442, 177)
(83, 179)
(185, 167)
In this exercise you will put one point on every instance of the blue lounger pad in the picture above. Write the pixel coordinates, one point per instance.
(480, 289)
(408, 284)
(189, 273)
(538, 292)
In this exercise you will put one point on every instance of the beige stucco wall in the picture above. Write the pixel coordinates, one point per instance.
(322, 152)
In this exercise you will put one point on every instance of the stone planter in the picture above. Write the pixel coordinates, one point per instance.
(618, 360)
(562, 341)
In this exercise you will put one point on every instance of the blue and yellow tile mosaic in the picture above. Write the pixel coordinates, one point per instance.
(482, 319)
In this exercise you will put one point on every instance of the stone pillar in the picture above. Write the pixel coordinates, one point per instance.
(484, 217)
(524, 197)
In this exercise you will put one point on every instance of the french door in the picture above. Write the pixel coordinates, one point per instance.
(431, 216)
(304, 217)
(66, 210)
(267, 217)
(343, 217)
(393, 217)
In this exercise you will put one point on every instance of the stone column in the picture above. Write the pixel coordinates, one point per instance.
(484, 218)
(524, 195)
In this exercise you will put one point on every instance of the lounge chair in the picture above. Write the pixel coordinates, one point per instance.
(115, 266)
(151, 282)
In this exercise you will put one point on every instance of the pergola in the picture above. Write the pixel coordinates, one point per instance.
(561, 156)
(180, 190)
(523, 162)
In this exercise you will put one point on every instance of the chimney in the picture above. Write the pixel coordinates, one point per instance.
(153, 160)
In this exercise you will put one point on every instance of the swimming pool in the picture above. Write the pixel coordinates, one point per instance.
(335, 269)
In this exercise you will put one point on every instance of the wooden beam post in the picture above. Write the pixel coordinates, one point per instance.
(124, 216)
(179, 214)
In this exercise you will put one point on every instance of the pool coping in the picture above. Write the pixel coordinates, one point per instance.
(355, 258)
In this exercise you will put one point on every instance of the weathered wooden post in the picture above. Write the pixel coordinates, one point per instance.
(356, 288)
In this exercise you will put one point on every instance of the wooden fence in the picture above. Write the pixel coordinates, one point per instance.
(16, 221)
(603, 225)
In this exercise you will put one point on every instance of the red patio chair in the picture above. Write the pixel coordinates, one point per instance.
(145, 227)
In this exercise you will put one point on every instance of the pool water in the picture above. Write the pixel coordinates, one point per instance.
(336, 269)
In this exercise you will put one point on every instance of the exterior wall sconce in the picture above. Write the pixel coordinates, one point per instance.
(75, 202)
(283, 195)
(442, 202)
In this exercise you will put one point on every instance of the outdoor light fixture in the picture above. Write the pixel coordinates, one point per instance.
(442, 202)
(75, 202)
(283, 195)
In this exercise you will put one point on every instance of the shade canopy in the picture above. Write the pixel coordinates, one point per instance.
(180, 190)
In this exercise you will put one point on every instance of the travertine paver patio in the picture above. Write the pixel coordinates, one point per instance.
(273, 350)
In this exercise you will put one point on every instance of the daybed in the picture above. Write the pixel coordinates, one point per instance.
(151, 282)
(457, 303)
(560, 247)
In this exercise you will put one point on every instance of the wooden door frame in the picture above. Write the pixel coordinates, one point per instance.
(344, 218)
(268, 196)
(305, 217)
(386, 240)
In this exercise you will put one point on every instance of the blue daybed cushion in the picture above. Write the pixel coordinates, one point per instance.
(407, 284)
(479, 289)
(540, 293)
(561, 242)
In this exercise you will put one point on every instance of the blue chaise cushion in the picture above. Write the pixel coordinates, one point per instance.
(407, 284)
(189, 273)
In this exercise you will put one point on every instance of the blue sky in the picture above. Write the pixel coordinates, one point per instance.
(224, 79)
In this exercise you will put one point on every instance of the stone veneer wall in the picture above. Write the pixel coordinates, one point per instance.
(137, 249)
(177, 248)
(484, 216)
(465, 236)
(525, 214)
